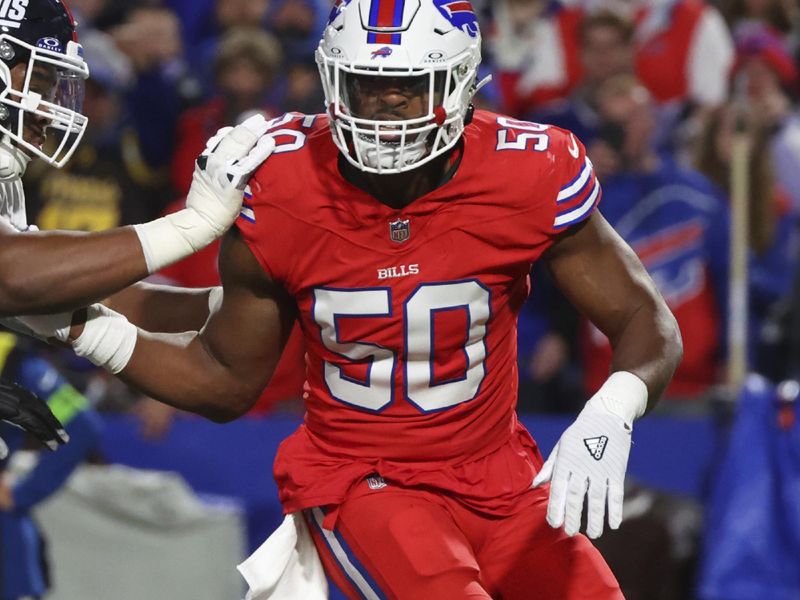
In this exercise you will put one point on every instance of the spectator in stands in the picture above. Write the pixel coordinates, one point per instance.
(150, 37)
(606, 49)
(108, 183)
(769, 77)
(772, 232)
(246, 63)
(534, 47)
(223, 16)
(298, 24)
(677, 223)
(23, 560)
(778, 15)
(303, 92)
(683, 50)
(683, 54)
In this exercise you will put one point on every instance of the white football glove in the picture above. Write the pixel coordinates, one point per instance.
(215, 198)
(592, 457)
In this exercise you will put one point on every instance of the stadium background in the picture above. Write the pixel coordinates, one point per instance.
(664, 93)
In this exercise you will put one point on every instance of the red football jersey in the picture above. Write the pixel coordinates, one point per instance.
(410, 315)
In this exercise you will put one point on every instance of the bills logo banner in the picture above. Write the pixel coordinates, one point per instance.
(460, 14)
(12, 12)
(338, 5)
(399, 231)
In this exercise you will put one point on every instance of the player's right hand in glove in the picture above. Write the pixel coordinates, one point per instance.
(26, 410)
(215, 197)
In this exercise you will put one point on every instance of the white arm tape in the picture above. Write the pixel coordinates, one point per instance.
(623, 394)
(174, 237)
(108, 339)
(214, 299)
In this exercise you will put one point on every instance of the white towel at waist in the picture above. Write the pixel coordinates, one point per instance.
(286, 566)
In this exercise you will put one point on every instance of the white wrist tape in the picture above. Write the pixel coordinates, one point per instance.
(214, 299)
(174, 237)
(624, 395)
(108, 339)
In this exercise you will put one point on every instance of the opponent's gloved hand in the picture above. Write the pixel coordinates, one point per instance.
(24, 409)
(592, 457)
(215, 198)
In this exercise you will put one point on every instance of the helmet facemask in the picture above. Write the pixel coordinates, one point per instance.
(50, 97)
(393, 144)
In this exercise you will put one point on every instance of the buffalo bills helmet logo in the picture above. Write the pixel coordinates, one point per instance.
(382, 52)
(337, 10)
(460, 14)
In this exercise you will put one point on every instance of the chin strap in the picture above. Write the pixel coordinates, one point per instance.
(13, 161)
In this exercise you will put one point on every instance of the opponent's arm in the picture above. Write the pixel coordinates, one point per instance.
(599, 273)
(51, 272)
(55, 271)
(165, 308)
(221, 371)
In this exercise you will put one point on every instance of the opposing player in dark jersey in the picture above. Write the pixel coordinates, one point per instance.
(42, 72)
(399, 228)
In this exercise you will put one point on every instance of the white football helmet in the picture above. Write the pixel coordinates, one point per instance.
(432, 47)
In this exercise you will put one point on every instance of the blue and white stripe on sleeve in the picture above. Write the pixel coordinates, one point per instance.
(247, 211)
(577, 199)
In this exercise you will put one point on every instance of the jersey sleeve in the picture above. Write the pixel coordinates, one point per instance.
(267, 228)
(257, 225)
(578, 189)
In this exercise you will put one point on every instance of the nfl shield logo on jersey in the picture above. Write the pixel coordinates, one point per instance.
(399, 231)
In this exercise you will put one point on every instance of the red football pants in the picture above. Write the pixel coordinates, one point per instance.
(408, 544)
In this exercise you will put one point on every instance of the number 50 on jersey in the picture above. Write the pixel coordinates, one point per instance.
(419, 311)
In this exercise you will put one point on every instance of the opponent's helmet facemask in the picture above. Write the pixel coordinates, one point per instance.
(427, 51)
(41, 35)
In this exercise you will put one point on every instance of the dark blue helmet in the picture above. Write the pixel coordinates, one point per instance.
(42, 72)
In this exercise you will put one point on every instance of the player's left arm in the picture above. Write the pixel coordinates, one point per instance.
(600, 274)
(604, 279)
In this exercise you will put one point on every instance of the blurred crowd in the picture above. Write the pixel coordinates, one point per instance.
(658, 90)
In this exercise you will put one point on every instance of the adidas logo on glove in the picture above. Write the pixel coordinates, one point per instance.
(596, 446)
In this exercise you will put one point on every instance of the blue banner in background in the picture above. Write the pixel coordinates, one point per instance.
(752, 545)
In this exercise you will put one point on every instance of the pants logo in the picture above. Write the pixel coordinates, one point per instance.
(376, 482)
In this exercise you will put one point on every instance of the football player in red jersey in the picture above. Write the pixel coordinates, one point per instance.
(399, 228)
